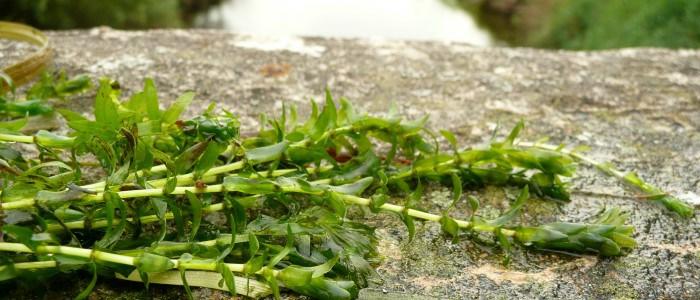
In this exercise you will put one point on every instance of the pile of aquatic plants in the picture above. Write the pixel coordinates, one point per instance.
(136, 192)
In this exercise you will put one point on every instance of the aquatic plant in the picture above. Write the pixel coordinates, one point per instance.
(290, 195)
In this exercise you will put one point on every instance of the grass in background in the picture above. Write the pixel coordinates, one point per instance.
(590, 24)
(122, 14)
(594, 24)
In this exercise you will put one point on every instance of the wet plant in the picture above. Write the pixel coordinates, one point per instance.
(192, 202)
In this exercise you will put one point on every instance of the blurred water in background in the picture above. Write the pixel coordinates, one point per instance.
(389, 19)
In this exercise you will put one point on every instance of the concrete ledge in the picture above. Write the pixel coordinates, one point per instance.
(639, 108)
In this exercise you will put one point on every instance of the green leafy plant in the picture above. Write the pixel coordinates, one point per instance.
(289, 195)
(17, 112)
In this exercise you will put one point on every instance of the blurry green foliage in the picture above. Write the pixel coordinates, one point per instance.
(589, 24)
(123, 14)
(594, 24)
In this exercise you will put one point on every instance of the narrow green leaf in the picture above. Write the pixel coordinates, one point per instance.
(456, 189)
(514, 133)
(505, 245)
(170, 185)
(120, 175)
(410, 225)
(172, 114)
(113, 203)
(88, 289)
(354, 188)
(106, 111)
(161, 208)
(253, 244)
(208, 158)
(514, 209)
(283, 253)
(21, 234)
(183, 277)
(450, 137)
(227, 277)
(187, 159)
(196, 209)
(151, 95)
(267, 153)
(473, 204)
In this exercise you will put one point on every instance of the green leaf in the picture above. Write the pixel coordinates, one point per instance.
(53, 198)
(172, 114)
(208, 158)
(21, 234)
(410, 225)
(450, 137)
(514, 209)
(113, 203)
(196, 209)
(337, 204)
(295, 276)
(177, 215)
(170, 185)
(376, 202)
(249, 185)
(354, 188)
(151, 95)
(473, 204)
(505, 245)
(106, 112)
(272, 281)
(323, 288)
(88, 289)
(227, 277)
(120, 175)
(283, 253)
(254, 264)
(324, 268)
(161, 208)
(183, 277)
(327, 119)
(267, 153)
(52, 140)
(152, 263)
(449, 226)
(456, 189)
(7, 271)
(514, 133)
(187, 159)
(253, 244)
(66, 263)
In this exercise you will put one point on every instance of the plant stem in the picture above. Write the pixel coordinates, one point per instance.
(350, 199)
(116, 258)
(653, 193)
(19, 138)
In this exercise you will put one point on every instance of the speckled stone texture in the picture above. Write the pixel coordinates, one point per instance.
(639, 108)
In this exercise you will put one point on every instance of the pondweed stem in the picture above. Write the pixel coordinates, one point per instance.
(117, 258)
(349, 199)
(631, 179)
(18, 138)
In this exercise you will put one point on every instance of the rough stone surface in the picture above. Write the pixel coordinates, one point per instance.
(639, 108)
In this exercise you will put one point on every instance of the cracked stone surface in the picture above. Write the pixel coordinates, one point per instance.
(638, 108)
